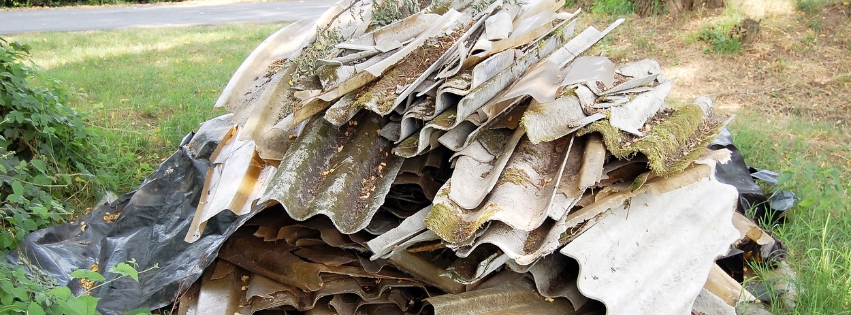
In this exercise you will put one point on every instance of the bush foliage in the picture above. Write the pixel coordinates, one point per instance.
(47, 156)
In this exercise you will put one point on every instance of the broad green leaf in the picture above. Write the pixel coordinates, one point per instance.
(6, 239)
(6, 298)
(21, 293)
(125, 270)
(12, 307)
(35, 309)
(807, 202)
(17, 188)
(785, 177)
(6, 286)
(87, 274)
(30, 225)
(15, 198)
(39, 210)
(61, 293)
(83, 305)
(42, 179)
(39, 165)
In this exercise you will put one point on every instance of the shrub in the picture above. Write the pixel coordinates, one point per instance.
(46, 153)
(21, 294)
(719, 39)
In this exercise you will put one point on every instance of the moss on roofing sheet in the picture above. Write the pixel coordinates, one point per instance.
(670, 146)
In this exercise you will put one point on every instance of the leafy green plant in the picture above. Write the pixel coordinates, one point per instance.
(719, 39)
(613, 7)
(46, 153)
(811, 7)
(305, 63)
(386, 13)
(28, 207)
(20, 295)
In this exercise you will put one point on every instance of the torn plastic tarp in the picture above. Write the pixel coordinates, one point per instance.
(751, 197)
(149, 229)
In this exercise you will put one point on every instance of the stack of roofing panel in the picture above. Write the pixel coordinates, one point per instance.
(466, 159)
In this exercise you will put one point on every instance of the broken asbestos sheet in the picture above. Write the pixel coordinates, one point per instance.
(631, 242)
(437, 157)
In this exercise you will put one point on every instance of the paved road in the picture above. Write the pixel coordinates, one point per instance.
(157, 15)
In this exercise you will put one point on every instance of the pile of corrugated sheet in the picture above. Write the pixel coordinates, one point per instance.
(464, 158)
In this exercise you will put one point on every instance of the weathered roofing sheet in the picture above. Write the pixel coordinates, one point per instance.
(631, 240)
(488, 144)
(351, 170)
(233, 182)
(512, 297)
(521, 196)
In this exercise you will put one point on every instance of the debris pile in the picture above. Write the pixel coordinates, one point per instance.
(467, 158)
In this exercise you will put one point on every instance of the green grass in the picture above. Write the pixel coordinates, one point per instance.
(815, 160)
(613, 7)
(811, 7)
(717, 33)
(145, 90)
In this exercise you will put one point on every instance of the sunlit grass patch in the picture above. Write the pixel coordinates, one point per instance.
(815, 162)
(144, 90)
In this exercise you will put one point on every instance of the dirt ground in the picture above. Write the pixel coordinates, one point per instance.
(798, 65)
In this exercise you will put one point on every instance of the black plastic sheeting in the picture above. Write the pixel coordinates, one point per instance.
(752, 200)
(153, 221)
(753, 203)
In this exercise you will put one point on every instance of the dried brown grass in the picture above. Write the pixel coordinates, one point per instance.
(789, 69)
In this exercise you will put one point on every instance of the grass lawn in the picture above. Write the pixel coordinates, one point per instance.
(145, 89)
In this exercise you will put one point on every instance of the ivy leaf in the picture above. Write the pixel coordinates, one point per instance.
(125, 270)
(87, 274)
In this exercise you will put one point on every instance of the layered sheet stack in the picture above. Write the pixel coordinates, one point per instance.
(467, 158)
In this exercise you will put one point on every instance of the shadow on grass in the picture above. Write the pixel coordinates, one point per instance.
(143, 91)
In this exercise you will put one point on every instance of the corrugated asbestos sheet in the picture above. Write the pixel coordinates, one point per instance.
(467, 158)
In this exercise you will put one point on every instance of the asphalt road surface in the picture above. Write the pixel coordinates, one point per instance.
(157, 15)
